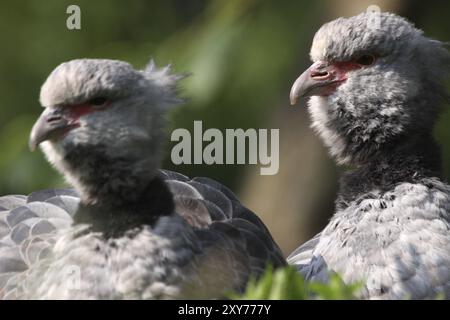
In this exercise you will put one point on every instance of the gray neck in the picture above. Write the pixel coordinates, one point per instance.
(361, 142)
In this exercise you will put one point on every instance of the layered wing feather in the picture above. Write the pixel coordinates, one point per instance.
(27, 228)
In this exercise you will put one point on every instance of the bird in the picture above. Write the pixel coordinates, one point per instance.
(375, 92)
(127, 229)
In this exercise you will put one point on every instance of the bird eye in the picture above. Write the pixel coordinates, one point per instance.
(98, 102)
(365, 60)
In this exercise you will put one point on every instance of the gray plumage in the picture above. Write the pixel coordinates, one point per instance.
(130, 230)
(391, 229)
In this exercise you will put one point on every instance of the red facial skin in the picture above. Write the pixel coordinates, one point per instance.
(337, 72)
(75, 112)
(347, 66)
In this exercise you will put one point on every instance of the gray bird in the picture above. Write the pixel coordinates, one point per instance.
(376, 90)
(128, 230)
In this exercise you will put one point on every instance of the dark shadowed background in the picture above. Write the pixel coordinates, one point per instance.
(243, 56)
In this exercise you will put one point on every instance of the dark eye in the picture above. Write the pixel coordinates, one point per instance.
(98, 102)
(365, 60)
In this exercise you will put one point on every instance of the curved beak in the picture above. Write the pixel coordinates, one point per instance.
(50, 125)
(320, 79)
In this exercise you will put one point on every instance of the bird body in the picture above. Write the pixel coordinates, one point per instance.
(395, 242)
(375, 97)
(129, 230)
(208, 245)
(202, 247)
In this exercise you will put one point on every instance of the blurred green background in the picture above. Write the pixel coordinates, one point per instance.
(243, 56)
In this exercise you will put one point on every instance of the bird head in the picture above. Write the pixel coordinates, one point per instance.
(372, 85)
(104, 118)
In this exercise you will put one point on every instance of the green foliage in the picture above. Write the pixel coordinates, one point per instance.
(336, 289)
(287, 284)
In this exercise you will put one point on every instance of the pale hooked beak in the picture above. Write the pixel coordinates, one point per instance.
(50, 125)
(320, 79)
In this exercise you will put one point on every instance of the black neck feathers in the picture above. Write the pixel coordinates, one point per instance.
(113, 220)
(117, 194)
(410, 160)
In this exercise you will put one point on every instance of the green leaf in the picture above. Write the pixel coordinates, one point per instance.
(287, 284)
